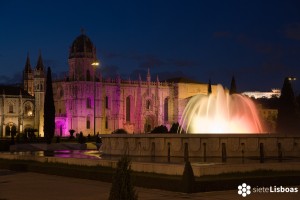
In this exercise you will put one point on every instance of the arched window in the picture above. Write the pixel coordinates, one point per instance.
(88, 122)
(148, 104)
(128, 109)
(106, 102)
(11, 108)
(88, 103)
(28, 110)
(88, 75)
(166, 109)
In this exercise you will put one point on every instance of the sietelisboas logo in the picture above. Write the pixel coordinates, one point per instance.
(244, 189)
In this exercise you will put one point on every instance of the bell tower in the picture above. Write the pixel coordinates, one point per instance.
(81, 56)
(83, 86)
(39, 95)
(28, 77)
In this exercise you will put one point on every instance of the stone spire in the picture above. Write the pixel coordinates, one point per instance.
(27, 65)
(148, 76)
(140, 80)
(40, 65)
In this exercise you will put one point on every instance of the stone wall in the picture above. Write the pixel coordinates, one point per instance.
(202, 145)
(45, 147)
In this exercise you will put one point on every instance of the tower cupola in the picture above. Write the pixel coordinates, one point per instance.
(82, 47)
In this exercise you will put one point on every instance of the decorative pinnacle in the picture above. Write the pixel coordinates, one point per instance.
(82, 31)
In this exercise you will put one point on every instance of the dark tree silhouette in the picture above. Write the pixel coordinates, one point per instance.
(209, 91)
(71, 131)
(176, 128)
(298, 102)
(81, 138)
(287, 116)
(232, 86)
(49, 109)
(119, 131)
(160, 129)
(188, 178)
(122, 187)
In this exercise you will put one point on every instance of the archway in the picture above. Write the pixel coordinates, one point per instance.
(10, 130)
(149, 124)
(60, 128)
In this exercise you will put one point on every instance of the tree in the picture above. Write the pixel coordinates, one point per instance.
(188, 178)
(81, 138)
(160, 129)
(119, 131)
(286, 120)
(209, 91)
(122, 187)
(71, 131)
(298, 104)
(49, 109)
(232, 86)
(176, 128)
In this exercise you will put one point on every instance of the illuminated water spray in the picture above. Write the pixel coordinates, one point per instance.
(221, 113)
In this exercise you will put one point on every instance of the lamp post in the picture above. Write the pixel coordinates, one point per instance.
(292, 78)
(95, 64)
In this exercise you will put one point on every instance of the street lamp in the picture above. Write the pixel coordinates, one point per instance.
(292, 78)
(95, 64)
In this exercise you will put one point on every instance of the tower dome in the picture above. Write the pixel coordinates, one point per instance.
(82, 47)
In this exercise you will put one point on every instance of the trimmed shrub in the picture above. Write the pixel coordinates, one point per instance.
(160, 129)
(4, 145)
(71, 131)
(188, 178)
(120, 131)
(122, 187)
(81, 138)
(57, 139)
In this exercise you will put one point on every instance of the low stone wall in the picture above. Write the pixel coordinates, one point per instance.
(45, 147)
(163, 168)
(202, 145)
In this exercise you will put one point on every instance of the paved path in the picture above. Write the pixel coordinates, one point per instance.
(34, 186)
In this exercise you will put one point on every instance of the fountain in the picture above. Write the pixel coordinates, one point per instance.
(221, 113)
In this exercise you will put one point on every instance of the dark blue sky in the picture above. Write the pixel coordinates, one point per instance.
(257, 41)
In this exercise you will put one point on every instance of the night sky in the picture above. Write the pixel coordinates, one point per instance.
(256, 41)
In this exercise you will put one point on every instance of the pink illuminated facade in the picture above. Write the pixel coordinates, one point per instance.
(84, 101)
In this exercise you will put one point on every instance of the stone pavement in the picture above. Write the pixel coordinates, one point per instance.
(34, 186)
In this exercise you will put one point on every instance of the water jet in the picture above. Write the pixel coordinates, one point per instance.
(221, 112)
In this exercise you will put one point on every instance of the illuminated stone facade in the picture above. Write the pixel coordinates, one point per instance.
(88, 103)
(23, 108)
(16, 110)
(268, 95)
